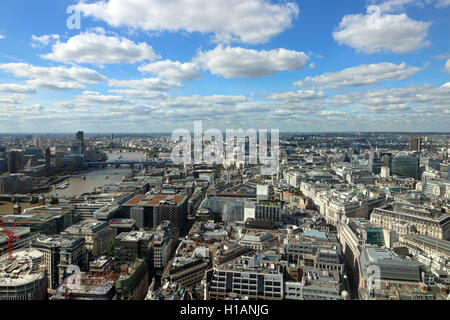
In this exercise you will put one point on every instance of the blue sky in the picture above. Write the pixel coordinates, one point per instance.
(154, 65)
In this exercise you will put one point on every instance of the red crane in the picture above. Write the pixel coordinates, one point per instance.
(11, 237)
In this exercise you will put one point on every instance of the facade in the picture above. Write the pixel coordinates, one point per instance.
(407, 218)
(263, 210)
(150, 210)
(165, 241)
(392, 268)
(259, 277)
(98, 235)
(430, 252)
(128, 246)
(59, 252)
(134, 284)
(315, 284)
(315, 249)
(415, 143)
(405, 166)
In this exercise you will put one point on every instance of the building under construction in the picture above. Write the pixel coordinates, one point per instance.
(24, 276)
(87, 286)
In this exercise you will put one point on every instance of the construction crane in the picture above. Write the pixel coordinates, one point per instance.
(11, 237)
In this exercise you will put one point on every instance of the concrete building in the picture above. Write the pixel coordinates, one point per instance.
(406, 218)
(25, 277)
(25, 238)
(387, 267)
(430, 252)
(150, 210)
(128, 246)
(98, 235)
(314, 284)
(315, 249)
(133, 285)
(263, 210)
(258, 277)
(165, 241)
(59, 252)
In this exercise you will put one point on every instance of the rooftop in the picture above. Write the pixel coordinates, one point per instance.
(154, 200)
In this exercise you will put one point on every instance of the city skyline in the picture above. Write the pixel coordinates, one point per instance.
(296, 66)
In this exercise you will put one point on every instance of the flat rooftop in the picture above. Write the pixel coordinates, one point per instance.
(154, 200)
(24, 268)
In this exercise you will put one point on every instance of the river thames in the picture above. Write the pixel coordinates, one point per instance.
(97, 177)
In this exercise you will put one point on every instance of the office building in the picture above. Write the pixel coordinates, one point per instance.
(415, 143)
(392, 268)
(134, 283)
(405, 166)
(165, 240)
(59, 252)
(132, 245)
(406, 218)
(98, 235)
(80, 139)
(258, 277)
(150, 210)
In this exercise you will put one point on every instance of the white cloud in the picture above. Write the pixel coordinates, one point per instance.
(331, 113)
(54, 78)
(248, 63)
(141, 94)
(2, 37)
(410, 95)
(44, 40)
(363, 75)
(151, 84)
(250, 21)
(442, 4)
(97, 48)
(173, 70)
(92, 97)
(203, 101)
(293, 96)
(391, 32)
(447, 66)
(50, 84)
(12, 99)
(16, 88)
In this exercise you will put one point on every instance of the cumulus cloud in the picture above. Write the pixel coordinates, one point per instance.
(447, 66)
(173, 70)
(141, 94)
(363, 75)
(50, 84)
(442, 4)
(391, 32)
(250, 21)
(151, 84)
(42, 41)
(92, 97)
(411, 95)
(55, 78)
(12, 99)
(2, 37)
(16, 88)
(98, 48)
(203, 101)
(292, 96)
(248, 63)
